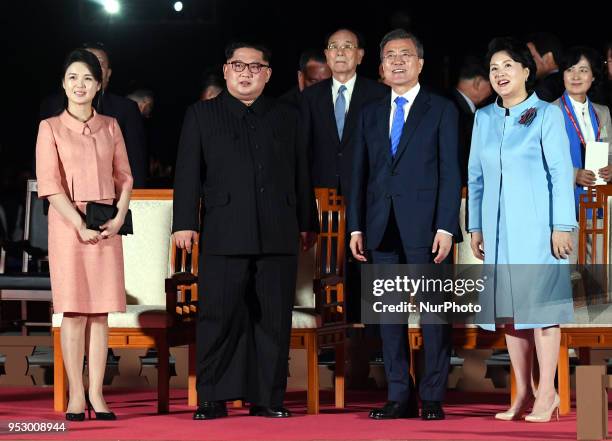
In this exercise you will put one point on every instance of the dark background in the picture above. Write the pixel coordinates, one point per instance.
(153, 46)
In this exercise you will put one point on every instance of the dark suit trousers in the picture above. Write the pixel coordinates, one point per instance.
(436, 338)
(244, 327)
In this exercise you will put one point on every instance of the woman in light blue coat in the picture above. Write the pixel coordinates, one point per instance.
(521, 213)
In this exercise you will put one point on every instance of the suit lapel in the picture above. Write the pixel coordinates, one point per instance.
(384, 113)
(461, 102)
(416, 114)
(326, 109)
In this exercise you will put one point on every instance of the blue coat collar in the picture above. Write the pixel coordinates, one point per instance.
(531, 101)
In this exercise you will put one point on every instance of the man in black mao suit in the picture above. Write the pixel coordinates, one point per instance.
(240, 149)
(404, 207)
(124, 110)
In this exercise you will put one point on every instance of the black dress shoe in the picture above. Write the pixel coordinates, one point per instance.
(432, 410)
(209, 410)
(269, 412)
(396, 409)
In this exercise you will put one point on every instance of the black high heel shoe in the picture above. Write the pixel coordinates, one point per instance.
(106, 416)
(75, 416)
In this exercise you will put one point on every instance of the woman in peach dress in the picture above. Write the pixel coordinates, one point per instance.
(81, 157)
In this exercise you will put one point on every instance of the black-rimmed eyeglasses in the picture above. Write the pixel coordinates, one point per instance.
(254, 68)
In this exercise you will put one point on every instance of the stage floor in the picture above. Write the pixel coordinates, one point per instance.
(469, 417)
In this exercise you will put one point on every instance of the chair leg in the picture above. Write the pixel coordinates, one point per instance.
(192, 394)
(563, 376)
(312, 360)
(339, 374)
(413, 355)
(60, 402)
(163, 376)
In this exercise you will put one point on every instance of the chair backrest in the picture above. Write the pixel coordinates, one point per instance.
(463, 250)
(35, 231)
(593, 220)
(147, 253)
(330, 247)
(327, 256)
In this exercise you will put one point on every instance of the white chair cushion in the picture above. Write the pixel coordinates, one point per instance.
(136, 316)
(304, 296)
(464, 250)
(146, 253)
(302, 318)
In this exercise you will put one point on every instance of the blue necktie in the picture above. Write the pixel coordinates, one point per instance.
(340, 110)
(398, 123)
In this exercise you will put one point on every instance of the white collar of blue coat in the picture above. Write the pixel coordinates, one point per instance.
(531, 101)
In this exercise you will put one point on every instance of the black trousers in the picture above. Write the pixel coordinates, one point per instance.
(244, 327)
(436, 338)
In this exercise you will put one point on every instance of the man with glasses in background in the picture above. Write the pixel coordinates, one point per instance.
(328, 117)
(330, 109)
(258, 204)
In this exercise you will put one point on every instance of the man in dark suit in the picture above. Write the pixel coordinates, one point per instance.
(124, 110)
(473, 88)
(404, 205)
(328, 117)
(547, 52)
(330, 110)
(313, 68)
(258, 202)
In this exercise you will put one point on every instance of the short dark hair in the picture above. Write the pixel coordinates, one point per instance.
(99, 46)
(358, 35)
(401, 34)
(140, 94)
(572, 56)
(545, 42)
(212, 77)
(86, 57)
(518, 51)
(235, 45)
(472, 67)
(311, 55)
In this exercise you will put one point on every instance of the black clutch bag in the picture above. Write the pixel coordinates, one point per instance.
(97, 214)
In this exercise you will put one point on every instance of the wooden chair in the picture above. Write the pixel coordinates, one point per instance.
(326, 327)
(154, 319)
(594, 334)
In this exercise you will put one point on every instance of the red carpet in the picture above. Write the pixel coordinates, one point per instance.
(469, 417)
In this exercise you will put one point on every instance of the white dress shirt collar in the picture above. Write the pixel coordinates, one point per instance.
(409, 95)
(468, 101)
(348, 93)
(581, 110)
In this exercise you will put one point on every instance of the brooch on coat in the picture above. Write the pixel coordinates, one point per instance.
(528, 116)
